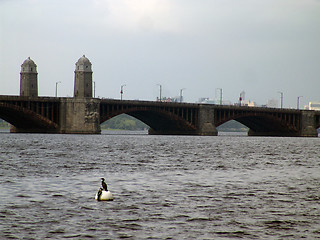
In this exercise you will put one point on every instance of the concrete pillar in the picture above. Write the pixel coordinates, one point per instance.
(206, 125)
(79, 115)
(308, 124)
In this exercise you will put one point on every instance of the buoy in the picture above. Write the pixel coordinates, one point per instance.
(103, 195)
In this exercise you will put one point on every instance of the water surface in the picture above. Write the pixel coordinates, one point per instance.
(165, 187)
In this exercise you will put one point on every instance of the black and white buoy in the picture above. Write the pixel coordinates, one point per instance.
(103, 193)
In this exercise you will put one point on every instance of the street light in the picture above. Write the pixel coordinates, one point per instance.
(121, 91)
(181, 93)
(241, 98)
(298, 99)
(281, 99)
(57, 88)
(160, 91)
(220, 95)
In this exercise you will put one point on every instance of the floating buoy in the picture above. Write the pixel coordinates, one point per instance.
(103, 195)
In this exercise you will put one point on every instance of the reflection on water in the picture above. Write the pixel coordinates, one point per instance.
(165, 187)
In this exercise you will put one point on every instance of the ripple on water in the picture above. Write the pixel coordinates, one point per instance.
(165, 187)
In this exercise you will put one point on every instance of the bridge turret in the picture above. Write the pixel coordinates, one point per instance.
(83, 78)
(29, 79)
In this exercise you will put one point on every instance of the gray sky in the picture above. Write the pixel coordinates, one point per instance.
(257, 46)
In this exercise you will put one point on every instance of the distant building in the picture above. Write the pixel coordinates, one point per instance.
(313, 106)
(169, 99)
(248, 103)
(272, 103)
(207, 100)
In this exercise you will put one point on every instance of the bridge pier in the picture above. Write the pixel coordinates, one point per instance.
(308, 124)
(206, 126)
(79, 116)
(307, 128)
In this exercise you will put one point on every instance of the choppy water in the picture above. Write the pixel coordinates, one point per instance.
(165, 187)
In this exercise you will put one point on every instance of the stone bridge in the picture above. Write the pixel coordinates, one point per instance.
(29, 113)
(84, 116)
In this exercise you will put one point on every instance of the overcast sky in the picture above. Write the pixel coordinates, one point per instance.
(257, 46)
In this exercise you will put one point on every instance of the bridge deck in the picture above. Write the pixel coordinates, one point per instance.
(44, 113)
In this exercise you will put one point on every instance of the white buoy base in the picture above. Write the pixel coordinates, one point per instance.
(105, 196)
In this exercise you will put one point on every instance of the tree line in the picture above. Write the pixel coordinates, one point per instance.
(124, 122)
(3, 124)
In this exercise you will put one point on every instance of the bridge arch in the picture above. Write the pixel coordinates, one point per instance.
(160, 120)
(26, 119)
(232, 126)
(263, 123)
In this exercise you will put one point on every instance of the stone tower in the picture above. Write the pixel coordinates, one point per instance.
(29, 79)
(83, 78)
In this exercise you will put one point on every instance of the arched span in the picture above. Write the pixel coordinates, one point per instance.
(264, 124)
(23, 118)
(160, 121)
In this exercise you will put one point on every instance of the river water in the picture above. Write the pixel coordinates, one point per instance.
(164, 187)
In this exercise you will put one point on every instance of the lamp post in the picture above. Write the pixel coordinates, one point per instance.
(281, 99)
(121, 91)
(160, 91)
(298, 100)
(220, 95)
(241, 98)
(181, 93)
(57, 88)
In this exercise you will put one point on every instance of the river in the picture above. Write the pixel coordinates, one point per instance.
(164, 187)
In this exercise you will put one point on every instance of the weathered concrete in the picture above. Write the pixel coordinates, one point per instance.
(206, 125)
(79, 115)
(308, 124)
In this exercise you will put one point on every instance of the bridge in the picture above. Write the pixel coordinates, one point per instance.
(83, 114)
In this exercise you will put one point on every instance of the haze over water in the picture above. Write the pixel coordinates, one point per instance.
(165, 187)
